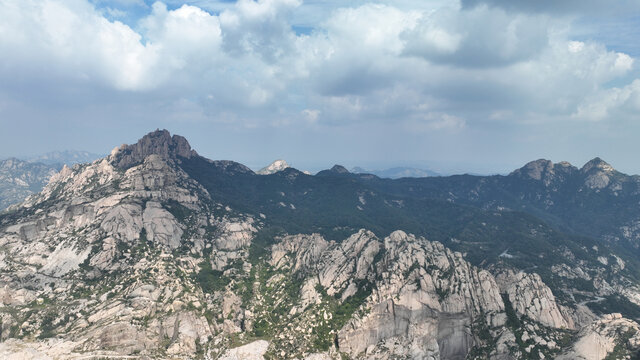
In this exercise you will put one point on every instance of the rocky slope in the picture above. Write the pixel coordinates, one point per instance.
(132, 256)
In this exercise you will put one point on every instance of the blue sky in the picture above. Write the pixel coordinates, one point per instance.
(476, 85)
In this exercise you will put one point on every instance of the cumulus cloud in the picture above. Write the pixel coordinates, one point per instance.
(260, 28)
(71, 39)
(621, 102)
(479, 37)
(186, 40)
(425, 67)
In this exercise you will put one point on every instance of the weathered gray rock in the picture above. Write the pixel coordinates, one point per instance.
(251, 351)
(531, 297)
(159, 142)
(600, 338)
(273, 168)
(426, 299)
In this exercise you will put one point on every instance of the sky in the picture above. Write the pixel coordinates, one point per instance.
(478, 86)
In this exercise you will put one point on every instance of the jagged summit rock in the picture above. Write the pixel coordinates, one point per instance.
(535, 169)
(598, 164)
(598, 173)
(545, 171)
(273, 168)
(159, 142)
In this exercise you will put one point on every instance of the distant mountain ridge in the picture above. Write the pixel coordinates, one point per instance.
(594, 200)
(19, 179)
(65, 157)
(396, 172)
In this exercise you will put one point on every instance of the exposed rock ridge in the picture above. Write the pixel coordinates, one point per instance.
(598, 164)
(545, 171)
(273, 168)
(598, 174)
(159, 142)
(531, 297)
(98, 244)
(424, 297)
(612, 335)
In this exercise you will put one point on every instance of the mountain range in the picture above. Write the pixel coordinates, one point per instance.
(157, 252)
(65, 157)
(20, 178)
(396, 172)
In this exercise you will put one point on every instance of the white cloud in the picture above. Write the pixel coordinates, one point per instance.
(187, 41)
(621, 102)
(73, 39)
(575, 46)
(480, 37)
(259, 27)
(368, 63)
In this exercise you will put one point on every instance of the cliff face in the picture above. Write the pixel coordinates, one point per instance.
(132, 256)
(159, 143)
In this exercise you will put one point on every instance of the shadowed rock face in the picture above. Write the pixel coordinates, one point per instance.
(159, 142)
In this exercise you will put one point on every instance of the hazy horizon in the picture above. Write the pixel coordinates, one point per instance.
(441, 168)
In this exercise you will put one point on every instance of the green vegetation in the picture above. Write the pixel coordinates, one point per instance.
(616, 303)
(513, 322)
(211, 280)
(487, 343)
(621, 349)
(181, 212)
(47, 328)
(94, 250)
(340, 313)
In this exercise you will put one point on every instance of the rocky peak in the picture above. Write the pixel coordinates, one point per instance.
(159, 142)
(535, 169)
(598, 164)
(339, 169)
(545, 171)
(597, 173)
(273, 168)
